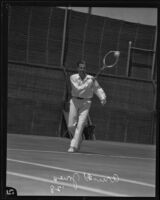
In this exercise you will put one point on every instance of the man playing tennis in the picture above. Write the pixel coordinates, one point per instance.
(82, 88)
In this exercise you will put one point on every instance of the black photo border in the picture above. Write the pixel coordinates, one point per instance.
(4, 81)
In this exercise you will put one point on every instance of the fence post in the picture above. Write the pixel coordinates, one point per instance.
(128, 59)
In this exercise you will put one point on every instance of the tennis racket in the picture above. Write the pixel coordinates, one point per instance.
(110, 60)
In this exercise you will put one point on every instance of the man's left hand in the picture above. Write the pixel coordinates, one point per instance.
(103, 102)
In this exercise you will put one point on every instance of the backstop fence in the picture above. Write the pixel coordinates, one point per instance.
(36, 82)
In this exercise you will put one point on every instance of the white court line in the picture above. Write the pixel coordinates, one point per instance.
(58, 152)
(103, 192)
(131, 157)
(81, 172)
(88, 154)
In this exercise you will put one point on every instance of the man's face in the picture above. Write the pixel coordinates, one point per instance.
(82, 68)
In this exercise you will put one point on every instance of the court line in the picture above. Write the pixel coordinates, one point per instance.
(58, 152)
(131, 157)
(81, 172)
(89, 154)
(104, 192)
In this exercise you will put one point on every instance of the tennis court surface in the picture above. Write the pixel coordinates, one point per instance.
(39, 165)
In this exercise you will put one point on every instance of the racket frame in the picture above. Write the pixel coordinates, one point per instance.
(108, 66)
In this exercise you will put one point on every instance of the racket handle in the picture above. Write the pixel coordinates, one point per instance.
(96, 76)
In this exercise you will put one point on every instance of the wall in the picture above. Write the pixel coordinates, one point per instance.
(34, 99)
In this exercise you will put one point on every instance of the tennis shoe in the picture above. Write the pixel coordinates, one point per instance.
(72, 150)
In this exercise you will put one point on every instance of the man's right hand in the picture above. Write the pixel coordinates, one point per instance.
(93, 78)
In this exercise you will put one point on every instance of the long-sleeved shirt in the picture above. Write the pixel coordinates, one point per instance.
(86, 88)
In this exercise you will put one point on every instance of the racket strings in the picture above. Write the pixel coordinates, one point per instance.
(110, 59)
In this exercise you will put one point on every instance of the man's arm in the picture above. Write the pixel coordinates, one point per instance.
(99, 92)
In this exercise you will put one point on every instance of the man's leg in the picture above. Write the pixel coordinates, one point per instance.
(72, 118)
(83, 113)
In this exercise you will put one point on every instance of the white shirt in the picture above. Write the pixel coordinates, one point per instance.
(86, 88)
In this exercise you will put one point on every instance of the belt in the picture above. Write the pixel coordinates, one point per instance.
(82, 98)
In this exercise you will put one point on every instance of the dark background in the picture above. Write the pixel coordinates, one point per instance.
(36, 82)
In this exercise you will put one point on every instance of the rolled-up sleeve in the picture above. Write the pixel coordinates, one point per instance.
(99, 91)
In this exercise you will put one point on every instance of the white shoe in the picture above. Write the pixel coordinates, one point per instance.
(72, 150)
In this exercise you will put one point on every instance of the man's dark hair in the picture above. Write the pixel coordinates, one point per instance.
(81, 62)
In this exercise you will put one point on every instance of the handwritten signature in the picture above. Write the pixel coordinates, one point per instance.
(104, 179)
(57, 188)
(61, 181)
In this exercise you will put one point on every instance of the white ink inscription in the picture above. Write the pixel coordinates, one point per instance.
(59, 181)
(112, 179)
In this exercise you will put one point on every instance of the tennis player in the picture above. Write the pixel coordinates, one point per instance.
(83, 86)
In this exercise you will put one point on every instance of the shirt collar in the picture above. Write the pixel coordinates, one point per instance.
(79, 78)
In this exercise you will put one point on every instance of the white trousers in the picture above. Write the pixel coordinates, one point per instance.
(78, 112)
